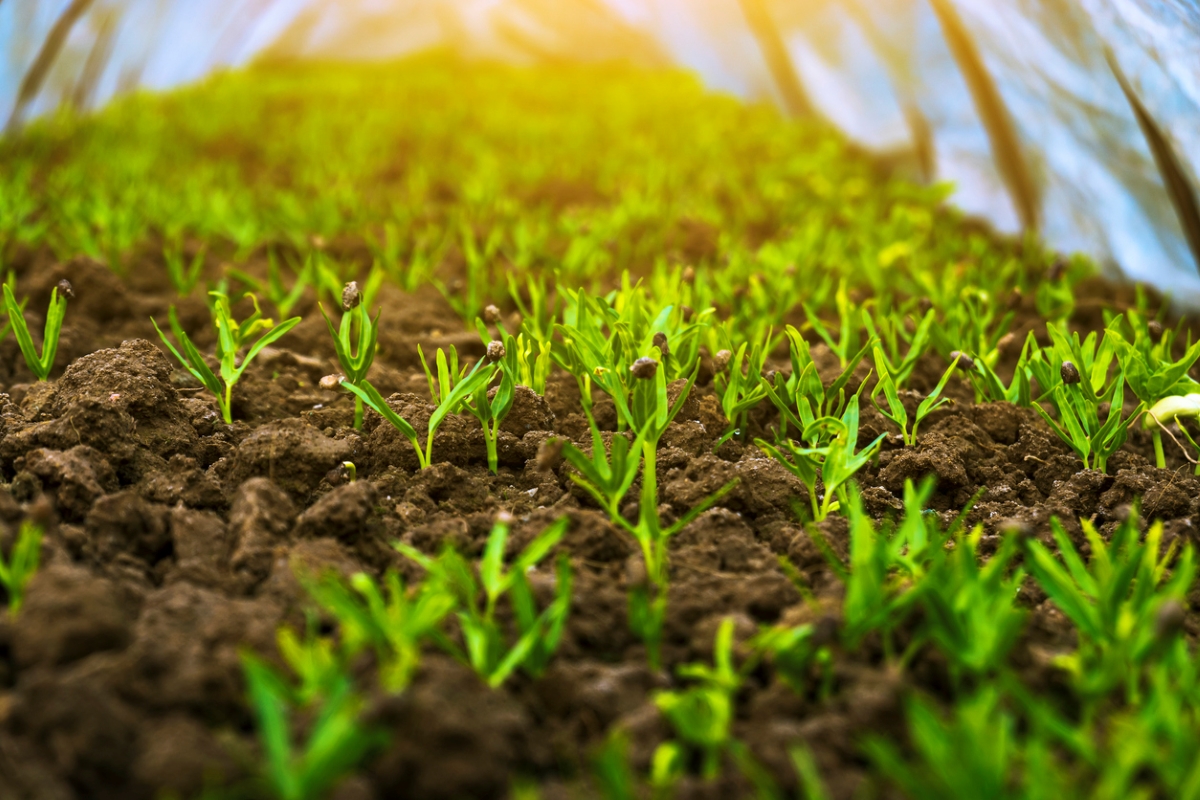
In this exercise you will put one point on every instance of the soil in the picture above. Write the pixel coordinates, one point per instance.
(173, 541)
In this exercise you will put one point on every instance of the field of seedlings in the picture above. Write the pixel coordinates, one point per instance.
(451, 431)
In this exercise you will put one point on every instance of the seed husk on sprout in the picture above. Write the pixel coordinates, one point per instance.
(491, 315)
(65, 289)
(1016, 527)
(495, 351)
(644, 368)
(1058, 270)
(351, 296)
(330, 382)
(1169, 619)
(660, 341)
(962, 361)
(1155, 328)
(689, 275)
(721, 360)
(1069, 373)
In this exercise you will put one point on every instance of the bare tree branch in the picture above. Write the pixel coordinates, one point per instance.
(1170, 167)
(97, 60)
(31, 84)
(779, 60)
(993, 113)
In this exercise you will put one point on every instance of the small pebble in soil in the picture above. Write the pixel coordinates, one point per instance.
(550, 455)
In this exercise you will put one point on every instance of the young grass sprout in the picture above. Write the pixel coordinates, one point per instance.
(355, 340)
(22, 564)
(486, 650)
(232, 338)
(39, 364)
(451, 389)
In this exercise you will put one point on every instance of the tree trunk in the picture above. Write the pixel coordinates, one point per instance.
(993, 113)
(31, 84)
(779, 60)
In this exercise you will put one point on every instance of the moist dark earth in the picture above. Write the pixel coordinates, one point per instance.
(173, 540)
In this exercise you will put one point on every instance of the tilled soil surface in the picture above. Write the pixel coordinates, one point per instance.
(173, 541)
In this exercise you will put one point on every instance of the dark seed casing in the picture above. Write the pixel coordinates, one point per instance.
(351, 296)
(644, 368)
(1069, 373)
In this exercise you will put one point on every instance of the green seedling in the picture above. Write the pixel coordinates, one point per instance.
(891, 332)
(803, 401)
(1055, 296)
(974, 753)
(702, 715)
(970, 611)
(1153, 375)
(1074, 376)
(847, 345)
(232, 337)
(354, 357)
(527, 358)
(336, 742)
(491, 411)
(537, 307)
(634, 332)
(316, 660)
(39, 365)
(976, 323)
(896, 412)
(886, 574)
(794, 652)
(606, 475)
(811, 785)
(1154, 745)
(988, 384)
(393, 622)
(486, 650)
(1166, 411)
(450, 389)
(466, 295)
(652, 412)
(22, 564)
(738, 382)
(835, 463)
(1114, 599)
(183, 276)
(611, 769)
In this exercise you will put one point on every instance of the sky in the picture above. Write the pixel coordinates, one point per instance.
(866, 64)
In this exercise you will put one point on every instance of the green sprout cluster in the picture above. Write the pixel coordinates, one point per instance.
(826, 310)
